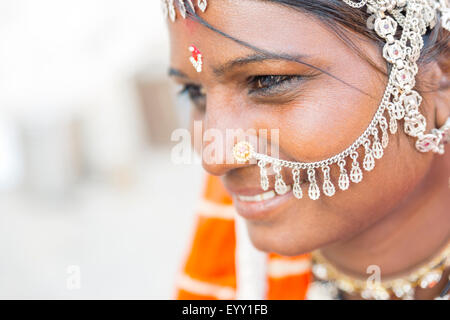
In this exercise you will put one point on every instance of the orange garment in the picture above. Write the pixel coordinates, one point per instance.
(209, 270)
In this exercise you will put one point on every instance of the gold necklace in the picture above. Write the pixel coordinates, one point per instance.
(425, 276)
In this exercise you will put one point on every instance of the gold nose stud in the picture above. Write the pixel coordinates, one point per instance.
(242, 151)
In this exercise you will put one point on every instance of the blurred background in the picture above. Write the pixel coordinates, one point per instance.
(91, 205)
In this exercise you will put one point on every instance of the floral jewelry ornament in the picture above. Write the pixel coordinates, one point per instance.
(168, 7)
(196, 58)
(399, 101)
(242, 151)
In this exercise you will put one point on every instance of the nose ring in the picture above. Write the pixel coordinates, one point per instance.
(243, 151)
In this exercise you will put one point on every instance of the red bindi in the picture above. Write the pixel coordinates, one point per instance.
(196, 58)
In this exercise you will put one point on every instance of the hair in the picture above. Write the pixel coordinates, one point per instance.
(341, 18)
(436, 40)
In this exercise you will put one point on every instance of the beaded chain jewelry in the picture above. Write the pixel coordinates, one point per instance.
(399, 102)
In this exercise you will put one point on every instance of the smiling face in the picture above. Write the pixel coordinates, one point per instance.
(319, 106)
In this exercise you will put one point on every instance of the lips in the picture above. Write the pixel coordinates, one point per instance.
(261, 206)
(251, 201)
(260, 197)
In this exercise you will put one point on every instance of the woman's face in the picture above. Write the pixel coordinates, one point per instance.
(317, 116)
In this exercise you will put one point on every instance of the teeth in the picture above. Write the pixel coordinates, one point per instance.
(262, 196)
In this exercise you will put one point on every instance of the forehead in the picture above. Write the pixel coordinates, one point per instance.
(265, 25)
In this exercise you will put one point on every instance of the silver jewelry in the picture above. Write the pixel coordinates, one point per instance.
(168, 7)
(399, 102)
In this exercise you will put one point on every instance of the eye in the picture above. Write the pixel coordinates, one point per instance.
(196, 94)
(271, 84)
(193, 91)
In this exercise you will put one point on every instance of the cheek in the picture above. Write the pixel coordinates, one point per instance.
(307, 225)
(318, 128)
(327, 121)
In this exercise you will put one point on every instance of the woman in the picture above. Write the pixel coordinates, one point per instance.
(345, 85)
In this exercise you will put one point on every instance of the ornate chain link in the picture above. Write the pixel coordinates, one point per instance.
(340, 156)
(357, 5)
(399, 99)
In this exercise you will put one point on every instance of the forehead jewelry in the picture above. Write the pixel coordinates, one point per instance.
(168, 7)
(399, 102)
(196, 58)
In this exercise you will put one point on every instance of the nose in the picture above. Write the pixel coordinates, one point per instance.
(224, 126)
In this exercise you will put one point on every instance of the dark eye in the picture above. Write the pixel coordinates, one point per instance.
(269, 84)
(196, 94)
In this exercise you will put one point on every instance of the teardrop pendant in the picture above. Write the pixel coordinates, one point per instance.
(377, 149)
(369, 161)
(328, 187)
(263, 175)
(392, 125)
(172, 12)
(384, 134)
(313, 191)
(385, 139)
(280, 185)
(182, 8)
(202, 4)
(297, 189)
(398, 111)
(344, 181)
(356, 174)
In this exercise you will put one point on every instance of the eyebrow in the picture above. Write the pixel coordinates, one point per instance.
(241, 61)
(176, 73)
(262, 51)
(254, 58)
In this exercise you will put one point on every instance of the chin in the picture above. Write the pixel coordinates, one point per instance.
(269, 239)
(291, 234)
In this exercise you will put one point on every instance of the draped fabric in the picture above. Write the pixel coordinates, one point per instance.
(209, 269)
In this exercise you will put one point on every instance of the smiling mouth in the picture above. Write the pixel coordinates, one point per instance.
(262, 196)
(262, 206)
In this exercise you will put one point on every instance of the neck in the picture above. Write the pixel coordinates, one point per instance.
(406, 238)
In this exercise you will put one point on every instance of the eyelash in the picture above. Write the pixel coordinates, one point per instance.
(263, 85)
(193, 91)
(270, 84)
